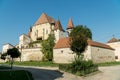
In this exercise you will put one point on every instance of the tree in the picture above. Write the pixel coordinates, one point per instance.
(79, 37)
(3, 56)
(13, 53)
(47, 47)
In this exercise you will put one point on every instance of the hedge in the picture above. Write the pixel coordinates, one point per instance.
(80, 72)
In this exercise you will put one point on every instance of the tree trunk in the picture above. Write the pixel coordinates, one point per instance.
(12, 63)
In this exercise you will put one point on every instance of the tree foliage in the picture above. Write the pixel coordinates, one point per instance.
(47, 48)
(3, 56)
(13, 53)
(81, 30)
(79, 37)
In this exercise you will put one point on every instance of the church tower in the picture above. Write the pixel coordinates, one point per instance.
(70, 26)
(42, 28)
(58, 31)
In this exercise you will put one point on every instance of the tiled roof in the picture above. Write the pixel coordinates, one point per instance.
(98, 44)
(112, 40)
(65, 43)
(58, 26)
(44, 18)
(70, 24)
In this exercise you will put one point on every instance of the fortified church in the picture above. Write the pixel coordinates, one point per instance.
(30, 47)
(41, 30)
(29, 43)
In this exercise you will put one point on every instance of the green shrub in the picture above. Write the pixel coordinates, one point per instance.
(79, 67)
(65, 67)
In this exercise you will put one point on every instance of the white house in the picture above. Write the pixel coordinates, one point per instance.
(6, 47)
(97, 52)
(115, 44)
(24, 40)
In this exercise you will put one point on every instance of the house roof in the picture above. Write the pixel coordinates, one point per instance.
(70, 24)
(44, 18)
(8, 44)
(58, 26)
(65, 43)
(112, 40)
(98, 44)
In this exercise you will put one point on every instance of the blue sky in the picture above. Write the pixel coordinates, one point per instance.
(101, 16)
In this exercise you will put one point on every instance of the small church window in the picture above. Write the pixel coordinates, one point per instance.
(61, 51)
(46, 31)
(116, 57)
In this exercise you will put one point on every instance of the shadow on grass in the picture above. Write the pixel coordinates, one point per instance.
(3, 67)
(37, 73)
(42, 74)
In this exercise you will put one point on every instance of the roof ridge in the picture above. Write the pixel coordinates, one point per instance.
(46, 16)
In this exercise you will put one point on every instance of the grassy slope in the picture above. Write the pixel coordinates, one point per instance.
(36, 63)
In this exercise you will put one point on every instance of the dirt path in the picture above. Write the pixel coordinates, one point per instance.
(107, 73)
(41, 73)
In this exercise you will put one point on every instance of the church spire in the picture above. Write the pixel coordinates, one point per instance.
(58, 26)
(70, 24)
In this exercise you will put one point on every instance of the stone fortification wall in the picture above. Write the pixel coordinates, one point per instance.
(31, 54)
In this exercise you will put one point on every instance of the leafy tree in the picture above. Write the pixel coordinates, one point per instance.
(79, 37)
(81, 30)
(47, 47)
(13, 53)
(3, 56)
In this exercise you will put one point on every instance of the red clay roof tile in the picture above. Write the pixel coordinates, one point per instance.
(112, 40)
(59, 26)
(70, 24)
(44, 18)
(65, 43)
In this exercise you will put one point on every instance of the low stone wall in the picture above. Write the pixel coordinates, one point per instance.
(101, 55)
(31, 54)
(96, 54)
(2, 61)
(63, 55)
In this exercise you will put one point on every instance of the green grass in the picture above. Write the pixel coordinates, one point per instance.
(109, 64)
(35, 63)
(15, 75)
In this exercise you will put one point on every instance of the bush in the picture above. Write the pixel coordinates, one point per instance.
(83, 67)
(65, 67)
(79, 67)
